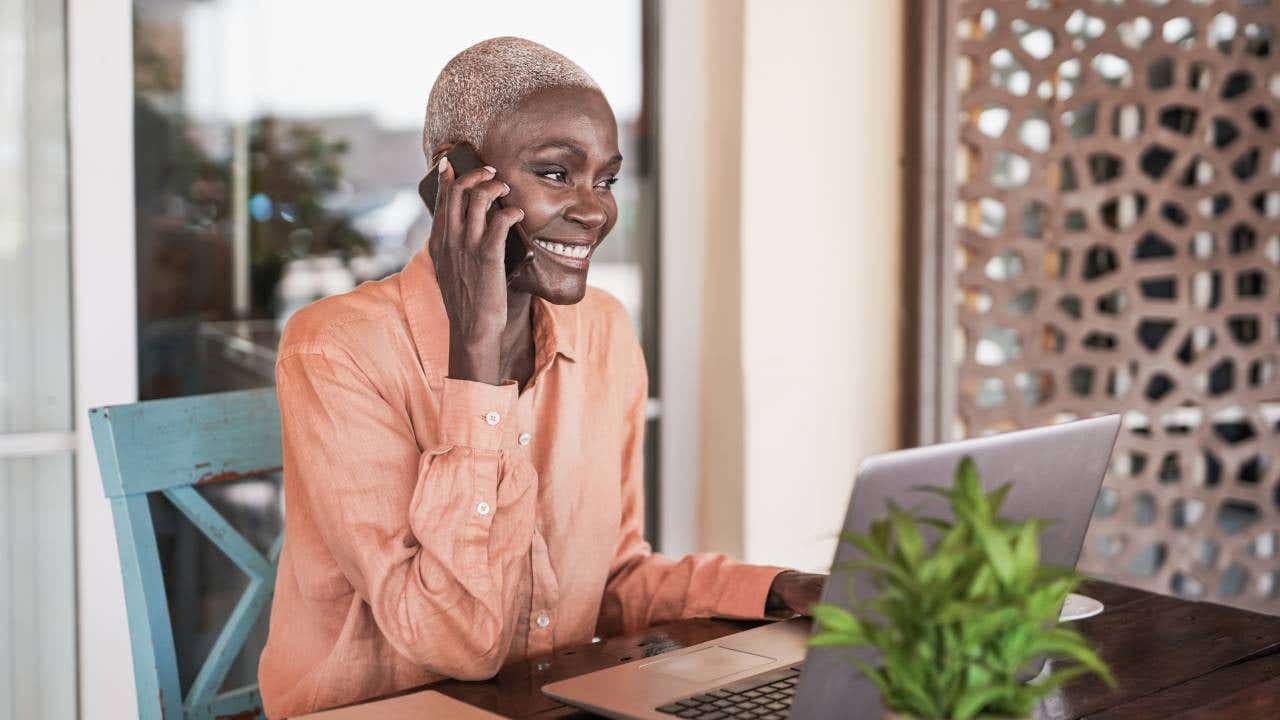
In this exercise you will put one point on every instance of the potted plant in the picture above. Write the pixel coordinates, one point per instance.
(955, 622)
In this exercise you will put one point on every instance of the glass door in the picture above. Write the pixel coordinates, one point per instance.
(37, 528)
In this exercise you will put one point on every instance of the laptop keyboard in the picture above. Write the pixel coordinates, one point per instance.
(766, 697)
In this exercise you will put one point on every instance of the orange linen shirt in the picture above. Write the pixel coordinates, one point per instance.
(438, 527)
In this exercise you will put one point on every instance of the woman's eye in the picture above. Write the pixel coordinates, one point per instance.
(557, 175)
(607, 183)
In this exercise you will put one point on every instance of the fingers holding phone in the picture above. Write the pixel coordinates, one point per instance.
(466, 245)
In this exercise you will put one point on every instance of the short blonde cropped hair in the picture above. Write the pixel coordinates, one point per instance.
(488, 80)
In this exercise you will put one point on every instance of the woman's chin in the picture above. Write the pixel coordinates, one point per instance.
(563, 293)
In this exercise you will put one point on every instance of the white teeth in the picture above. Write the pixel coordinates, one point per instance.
(574, 251)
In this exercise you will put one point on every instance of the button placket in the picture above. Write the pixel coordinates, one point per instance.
(545, 598)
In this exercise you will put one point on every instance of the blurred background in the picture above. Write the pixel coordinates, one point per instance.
(846, 227)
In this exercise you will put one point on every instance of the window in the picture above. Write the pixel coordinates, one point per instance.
(37, 532)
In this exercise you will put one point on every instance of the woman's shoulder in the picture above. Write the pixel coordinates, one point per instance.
(344, 321)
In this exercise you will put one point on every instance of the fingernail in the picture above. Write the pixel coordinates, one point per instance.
(491, 169)
(505, 188)
(444, 163)
(521, 215)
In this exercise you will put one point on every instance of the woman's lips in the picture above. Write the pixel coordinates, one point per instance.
(575, 254)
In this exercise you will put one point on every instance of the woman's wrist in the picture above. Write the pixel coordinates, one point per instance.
(793, 591)
(463, 366)
(775, 603)
(475, 360)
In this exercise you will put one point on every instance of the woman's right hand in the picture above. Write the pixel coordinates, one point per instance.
(468, 246)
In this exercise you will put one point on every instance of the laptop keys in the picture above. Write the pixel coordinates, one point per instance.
(764, 697)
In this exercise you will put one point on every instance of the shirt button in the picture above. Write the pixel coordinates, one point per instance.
(483, 508)
(525, 438)
(492, 417)
(543, 619)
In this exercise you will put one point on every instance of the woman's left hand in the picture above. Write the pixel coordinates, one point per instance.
(794, 591)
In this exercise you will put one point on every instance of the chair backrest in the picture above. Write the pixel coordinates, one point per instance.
(170, 446)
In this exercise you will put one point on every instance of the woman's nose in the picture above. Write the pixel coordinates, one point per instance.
(587, 209)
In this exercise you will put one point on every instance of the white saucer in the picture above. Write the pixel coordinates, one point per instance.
(1079, 607)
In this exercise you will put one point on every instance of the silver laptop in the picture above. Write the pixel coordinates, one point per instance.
(1057, 472)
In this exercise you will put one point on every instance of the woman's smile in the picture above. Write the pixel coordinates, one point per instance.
(574, 253)
(558, 154)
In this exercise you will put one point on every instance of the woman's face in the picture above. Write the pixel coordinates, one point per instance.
(559, 153)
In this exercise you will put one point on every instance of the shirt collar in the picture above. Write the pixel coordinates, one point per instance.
(555, 327)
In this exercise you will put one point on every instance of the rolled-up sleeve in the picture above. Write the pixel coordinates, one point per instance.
(422, 536)
(645, 588)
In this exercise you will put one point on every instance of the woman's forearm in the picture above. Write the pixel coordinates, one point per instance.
(422, 537)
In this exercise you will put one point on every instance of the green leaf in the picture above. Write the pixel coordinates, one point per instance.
(937, 523)
(834, 617)
(995, 498)
(976, 700)
(869, 547)
(907, 534)
(890, 571)
(874, 675)
(969, 487)
(835, 638)
(881, 536)
(1026, 551)
(910, 686)
(1067, 643)
(1056, 679)
(997, 549)
(982, 583)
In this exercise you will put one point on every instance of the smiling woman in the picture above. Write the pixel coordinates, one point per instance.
(463, 451)
(277, 159)
(555, 158)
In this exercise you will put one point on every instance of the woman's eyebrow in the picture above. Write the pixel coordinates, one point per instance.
(571, 147)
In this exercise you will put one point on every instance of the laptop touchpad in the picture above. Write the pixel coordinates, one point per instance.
(706, 665)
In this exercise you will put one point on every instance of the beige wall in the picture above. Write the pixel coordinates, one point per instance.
(802, 269)
(722, 492)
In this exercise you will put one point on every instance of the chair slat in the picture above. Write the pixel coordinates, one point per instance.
(155, 664)
(229, 643)
(162, 444)
(220, 533)
(242, 703)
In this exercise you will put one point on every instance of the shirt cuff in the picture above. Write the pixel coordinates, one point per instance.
(746, 593)
(472, 413)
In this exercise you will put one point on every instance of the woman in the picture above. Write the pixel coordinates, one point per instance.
(463, 455)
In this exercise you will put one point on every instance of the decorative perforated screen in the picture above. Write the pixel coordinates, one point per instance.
(1117, 249)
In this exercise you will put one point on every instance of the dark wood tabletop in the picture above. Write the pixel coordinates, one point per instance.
(1172, 658)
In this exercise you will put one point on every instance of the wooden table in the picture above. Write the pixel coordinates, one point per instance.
(1172, 659)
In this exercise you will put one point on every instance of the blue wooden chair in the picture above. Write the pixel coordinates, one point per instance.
(170, 446)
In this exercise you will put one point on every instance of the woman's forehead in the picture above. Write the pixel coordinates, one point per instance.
(550, 116)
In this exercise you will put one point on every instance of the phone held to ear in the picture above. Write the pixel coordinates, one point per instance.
(464, 159)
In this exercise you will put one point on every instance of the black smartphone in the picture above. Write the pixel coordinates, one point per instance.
(464, 159)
